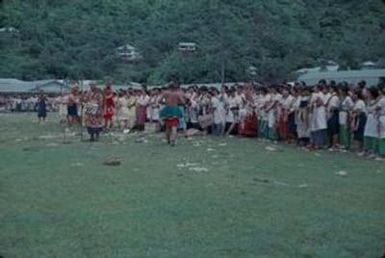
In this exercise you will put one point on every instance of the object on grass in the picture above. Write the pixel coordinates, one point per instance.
(52, 144)
(222, 144)
(77, 164)
(269, 148)
(185, 165)
(112, 161)
(192, 132)
(261, 180)
(279, 183)
(141, 140)
(342, 173)
(303, 186)
(210, 149)
(47, 137)
(198, 169)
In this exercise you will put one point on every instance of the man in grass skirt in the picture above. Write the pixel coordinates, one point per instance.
(171, 114)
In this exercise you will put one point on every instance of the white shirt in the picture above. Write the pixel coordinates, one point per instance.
(235, 102)
(143, 100)
(287, 102)
(359, 106)
(347, 104)
(219, 111)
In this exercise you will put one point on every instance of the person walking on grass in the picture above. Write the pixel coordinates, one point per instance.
(41, 108)
(171, 113)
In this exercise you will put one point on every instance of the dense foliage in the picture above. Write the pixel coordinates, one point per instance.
(78, 38)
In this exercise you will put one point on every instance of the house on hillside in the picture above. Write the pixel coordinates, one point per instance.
(187, 47)
(128, 53)
(9, 30)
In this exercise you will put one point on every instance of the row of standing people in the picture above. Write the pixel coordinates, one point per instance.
(334, 116)
(325, 116)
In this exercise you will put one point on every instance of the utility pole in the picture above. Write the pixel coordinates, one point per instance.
(223, 69)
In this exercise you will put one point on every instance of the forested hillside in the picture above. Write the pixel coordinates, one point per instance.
(78, 38)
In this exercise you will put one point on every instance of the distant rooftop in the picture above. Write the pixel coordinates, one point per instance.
(371, 76)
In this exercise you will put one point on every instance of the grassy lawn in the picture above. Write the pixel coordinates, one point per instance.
(207, 197)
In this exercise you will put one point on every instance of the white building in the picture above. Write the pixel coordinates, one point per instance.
(330, 66)
(187, 46)
(129, 53)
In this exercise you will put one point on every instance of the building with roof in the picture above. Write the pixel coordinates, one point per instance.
(330, 66)
(371, 76)
(115, 87)
(128, 53)
(15, 86)
(187, 46)
(51, 86)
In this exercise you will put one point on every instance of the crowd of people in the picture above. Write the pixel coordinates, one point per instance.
(24, 103)
(338, 117)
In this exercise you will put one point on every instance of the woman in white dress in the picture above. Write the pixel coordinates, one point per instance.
(123, 114)
(154, 110)
(372, 123)
(302, 117)
(271, 111)
(318, 124)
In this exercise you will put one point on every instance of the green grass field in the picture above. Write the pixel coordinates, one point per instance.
(207, 197)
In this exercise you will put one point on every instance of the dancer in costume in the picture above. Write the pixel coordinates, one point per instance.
(109, 107)
(72, 106)
(171, 113)
(94, 112)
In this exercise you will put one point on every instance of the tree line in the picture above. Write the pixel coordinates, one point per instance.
(77, 39)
